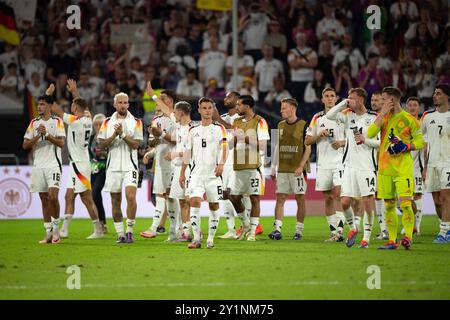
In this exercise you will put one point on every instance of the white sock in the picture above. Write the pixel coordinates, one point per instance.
(380, 210)
(55, 224)
(299, 227)
(130, 225)
(248, 207)
(48, 227)
(244, 219)
(185, 227)
(119, 228)
(349, 217)
(228, 211)
(171, 212)
(368, 223)
(254, 221)
(358, 222)
(418, 216)
(213, 223)
(97, 226)
(277, 225)
(196, 223)
(445, 227)
(340, 221)
(67, 220)
(332, 223)
(159, 211)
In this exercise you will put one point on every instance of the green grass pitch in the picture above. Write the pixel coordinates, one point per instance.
(267, 269)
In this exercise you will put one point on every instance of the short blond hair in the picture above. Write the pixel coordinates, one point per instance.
(119, 95)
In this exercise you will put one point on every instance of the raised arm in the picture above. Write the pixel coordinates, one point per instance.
(72, 88)
(333, 113)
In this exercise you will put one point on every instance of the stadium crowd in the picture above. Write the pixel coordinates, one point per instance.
(316, 44)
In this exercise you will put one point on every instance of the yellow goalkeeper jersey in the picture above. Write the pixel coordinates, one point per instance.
(406, 128)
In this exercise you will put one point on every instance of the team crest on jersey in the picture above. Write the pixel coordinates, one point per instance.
(368, 121)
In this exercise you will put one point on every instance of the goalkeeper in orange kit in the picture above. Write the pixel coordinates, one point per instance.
(400, 133)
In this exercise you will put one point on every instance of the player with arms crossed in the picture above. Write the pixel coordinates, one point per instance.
(400, 133)
(206, 153)
(436, 128)
(289, 166)
(122, 134)
(413, 107)
(251, 134)
(45, 137)
(359, 179)
(79, 128)
(329, 138)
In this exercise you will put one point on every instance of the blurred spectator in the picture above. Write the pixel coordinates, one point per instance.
(195, 41)
(378, 41)
(170, 24)
(276, 39)
(329, 27)
(212, 64)
(12, 82)
(61, 63)
(170, 76)
(403, 12)
(32, 65)
(426, 23)
(305, 26)
(384, 61)
(443, 61)
(395, 77)
(135, 68)
(266, 70)
(36, 86)
(426, 82)
(8, 56)
(63, 96)
(325, 61)
(213, 91)
(160, 57)
(276, 94)
(107, 97)
(213, 32)
(189, 86)
(302, 61)
(254, 26)
(245, 63)
(183, 60)
(176, 39)
(248, 88)
(96, 81)
(84, 87)
(343, 81)
(371, 78)
(313, 92)
(349, 56)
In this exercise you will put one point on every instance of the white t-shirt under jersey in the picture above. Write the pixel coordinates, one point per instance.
(46, 154)
(78, 134)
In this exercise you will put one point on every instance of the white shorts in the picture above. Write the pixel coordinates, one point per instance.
(116, 179)
(227, 176)
(418, 184)
(288, 183)
(79, 177)
(358, 183)
(326, 179)
(212, 186)
(162, 180)
(249, 182)
(437, 178)
(176, 191)
(43, 179)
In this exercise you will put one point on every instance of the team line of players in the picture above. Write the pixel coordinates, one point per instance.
(222, 157)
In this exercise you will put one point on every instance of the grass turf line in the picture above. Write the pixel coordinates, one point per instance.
(266, 269)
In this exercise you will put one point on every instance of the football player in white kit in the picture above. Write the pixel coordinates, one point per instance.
(121, 134)
(360, 160)
(413, 107)
(78, 132)
(206, 153)
(436, 129)
(330, 140)
(45, 138)
(163, 131)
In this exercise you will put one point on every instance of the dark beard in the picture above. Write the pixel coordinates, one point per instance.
(122, 114)
(230, 106)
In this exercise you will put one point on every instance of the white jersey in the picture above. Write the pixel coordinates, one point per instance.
(45, 153)
(418, 161)
(327, 157)
(120, 156)
(230, 119)
(205, 144)
(363, 156)
(78, 134)
(164, 146)
(436, 132)
(181, 134)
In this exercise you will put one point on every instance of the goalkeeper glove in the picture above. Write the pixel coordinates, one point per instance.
(397, 146)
